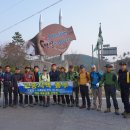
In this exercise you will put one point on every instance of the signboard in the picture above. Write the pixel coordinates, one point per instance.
(110, 51)
(106, 45)
(46, 88)
(53, 40)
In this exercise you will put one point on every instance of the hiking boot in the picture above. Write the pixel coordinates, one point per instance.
(72, 105)
(63, 104)
(26, 105)
(31, 105)
(40, 104)
(108, 110)
(77, 104)
(68, 105)
(48, 104)
(54, 103)
(11, 105)
(15, 106)
(127, 115)
(117, 112)
(93, 108)
(59, 103)
(123, 113)
(21, 105)
(82, 107)
(98, 109)
(88, 108)
(44, 104)
(5, 106)
(36, 103)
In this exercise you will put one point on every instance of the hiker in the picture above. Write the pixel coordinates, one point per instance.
(109, 79)
(54, 76)
(63, 77)
(28, 77)
(84, 79)
(95, 78)
(124, 84)
(7, 79)
(18, 76)
(38, 99)
(46, 78)
(72, 75)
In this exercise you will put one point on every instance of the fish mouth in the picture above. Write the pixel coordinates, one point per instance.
(46, 44)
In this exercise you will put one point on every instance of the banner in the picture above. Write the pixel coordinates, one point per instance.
(46, 88)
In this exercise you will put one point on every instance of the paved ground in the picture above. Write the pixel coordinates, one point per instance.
(60, 118)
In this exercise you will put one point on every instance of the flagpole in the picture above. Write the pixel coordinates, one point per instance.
(98, 58)
(102, 57)
(101, 53)
(60, 22)
(99, 48)
(92, 55)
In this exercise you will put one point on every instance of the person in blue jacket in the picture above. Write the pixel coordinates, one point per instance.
(8, 83)
(95, 77)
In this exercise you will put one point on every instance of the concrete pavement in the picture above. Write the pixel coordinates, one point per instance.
(60, 118)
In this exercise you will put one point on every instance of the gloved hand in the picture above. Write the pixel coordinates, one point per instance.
(87, 84)
(100, 85)
(97, 85)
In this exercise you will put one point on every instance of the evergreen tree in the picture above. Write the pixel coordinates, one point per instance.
(17, 39)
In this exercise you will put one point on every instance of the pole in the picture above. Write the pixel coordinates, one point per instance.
(60, 17)
(99, 58)
(60, 22)
(92, 55)
(40, 28)
(102, 56)
(40, 23)
(101, 40)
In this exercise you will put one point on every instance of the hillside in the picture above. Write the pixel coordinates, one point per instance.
(76, 59)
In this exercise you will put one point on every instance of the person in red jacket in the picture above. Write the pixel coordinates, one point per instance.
(28, 77)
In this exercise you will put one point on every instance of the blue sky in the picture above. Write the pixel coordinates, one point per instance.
(83, 15)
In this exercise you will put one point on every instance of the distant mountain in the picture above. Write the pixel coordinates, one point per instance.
(76, 59)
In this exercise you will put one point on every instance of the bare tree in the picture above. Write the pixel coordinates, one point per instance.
(1, 53)
(13, 55)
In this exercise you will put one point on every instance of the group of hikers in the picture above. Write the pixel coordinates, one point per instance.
(83, 81)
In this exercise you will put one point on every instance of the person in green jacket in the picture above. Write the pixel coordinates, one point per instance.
(109, 79)
(63, 77)
(73, 75)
